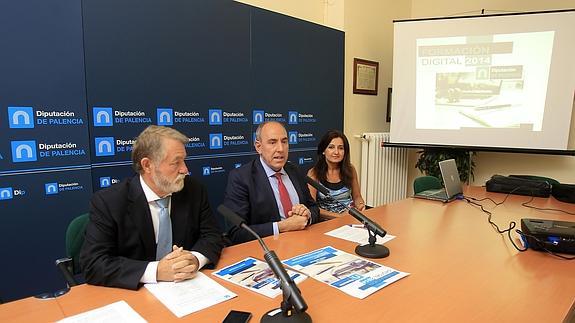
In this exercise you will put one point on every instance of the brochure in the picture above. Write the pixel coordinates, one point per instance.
(351, 274)
(255, 275)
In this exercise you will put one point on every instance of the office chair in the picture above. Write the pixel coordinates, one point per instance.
(70, 265)
(424, 183)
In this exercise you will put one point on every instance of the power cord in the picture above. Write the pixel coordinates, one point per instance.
(473, 201)
(512, 224)
(542, 208)
(525, 204)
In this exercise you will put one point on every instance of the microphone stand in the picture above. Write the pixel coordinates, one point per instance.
(370, 250)
(287, 311)
(293, 306)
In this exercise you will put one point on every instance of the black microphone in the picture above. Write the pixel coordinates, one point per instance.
(317, 185)
(292, 295)
(377, 229)
(240, 222)
(370, 250)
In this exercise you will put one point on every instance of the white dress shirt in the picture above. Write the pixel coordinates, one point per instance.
(294, 198)
(149, 275)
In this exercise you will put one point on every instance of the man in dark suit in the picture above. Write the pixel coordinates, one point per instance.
(155, 226)
(268, 192)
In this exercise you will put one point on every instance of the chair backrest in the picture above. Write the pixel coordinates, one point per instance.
(75, 239)
(424, 183)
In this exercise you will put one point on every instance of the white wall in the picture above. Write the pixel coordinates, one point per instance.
(310, 10)
(369, 35)
(442, 8)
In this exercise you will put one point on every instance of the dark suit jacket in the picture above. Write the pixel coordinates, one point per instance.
(120, 242)
(249, 194)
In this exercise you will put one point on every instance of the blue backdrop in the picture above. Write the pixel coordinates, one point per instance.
(81, 79)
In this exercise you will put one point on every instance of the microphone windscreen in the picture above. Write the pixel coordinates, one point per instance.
(230, 215)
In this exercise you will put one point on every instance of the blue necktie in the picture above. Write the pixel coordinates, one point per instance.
(164, 230)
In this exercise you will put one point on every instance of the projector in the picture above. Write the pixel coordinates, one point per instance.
(556, 236)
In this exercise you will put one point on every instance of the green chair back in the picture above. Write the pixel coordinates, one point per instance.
(75, 239)
(424, 183)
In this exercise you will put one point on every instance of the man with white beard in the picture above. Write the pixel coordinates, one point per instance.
(155, 226)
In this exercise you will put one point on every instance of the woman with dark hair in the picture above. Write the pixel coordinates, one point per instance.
(334, 170)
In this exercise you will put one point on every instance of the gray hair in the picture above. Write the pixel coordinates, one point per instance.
(262, 125)
(150, 144)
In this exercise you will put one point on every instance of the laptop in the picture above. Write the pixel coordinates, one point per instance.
(452, 184)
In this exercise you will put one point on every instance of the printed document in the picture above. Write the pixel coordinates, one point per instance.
(189, 296)
(357, 233)
(116, 312)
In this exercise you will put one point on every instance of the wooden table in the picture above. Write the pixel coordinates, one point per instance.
(460, 270)
(31, 310)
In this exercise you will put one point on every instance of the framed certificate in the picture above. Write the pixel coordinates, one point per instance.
(365, 75)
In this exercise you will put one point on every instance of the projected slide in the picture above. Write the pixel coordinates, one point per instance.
(488, 81)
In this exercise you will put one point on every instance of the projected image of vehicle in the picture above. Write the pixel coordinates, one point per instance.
(464, 88)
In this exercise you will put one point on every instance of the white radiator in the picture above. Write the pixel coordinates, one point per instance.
(383, 170)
